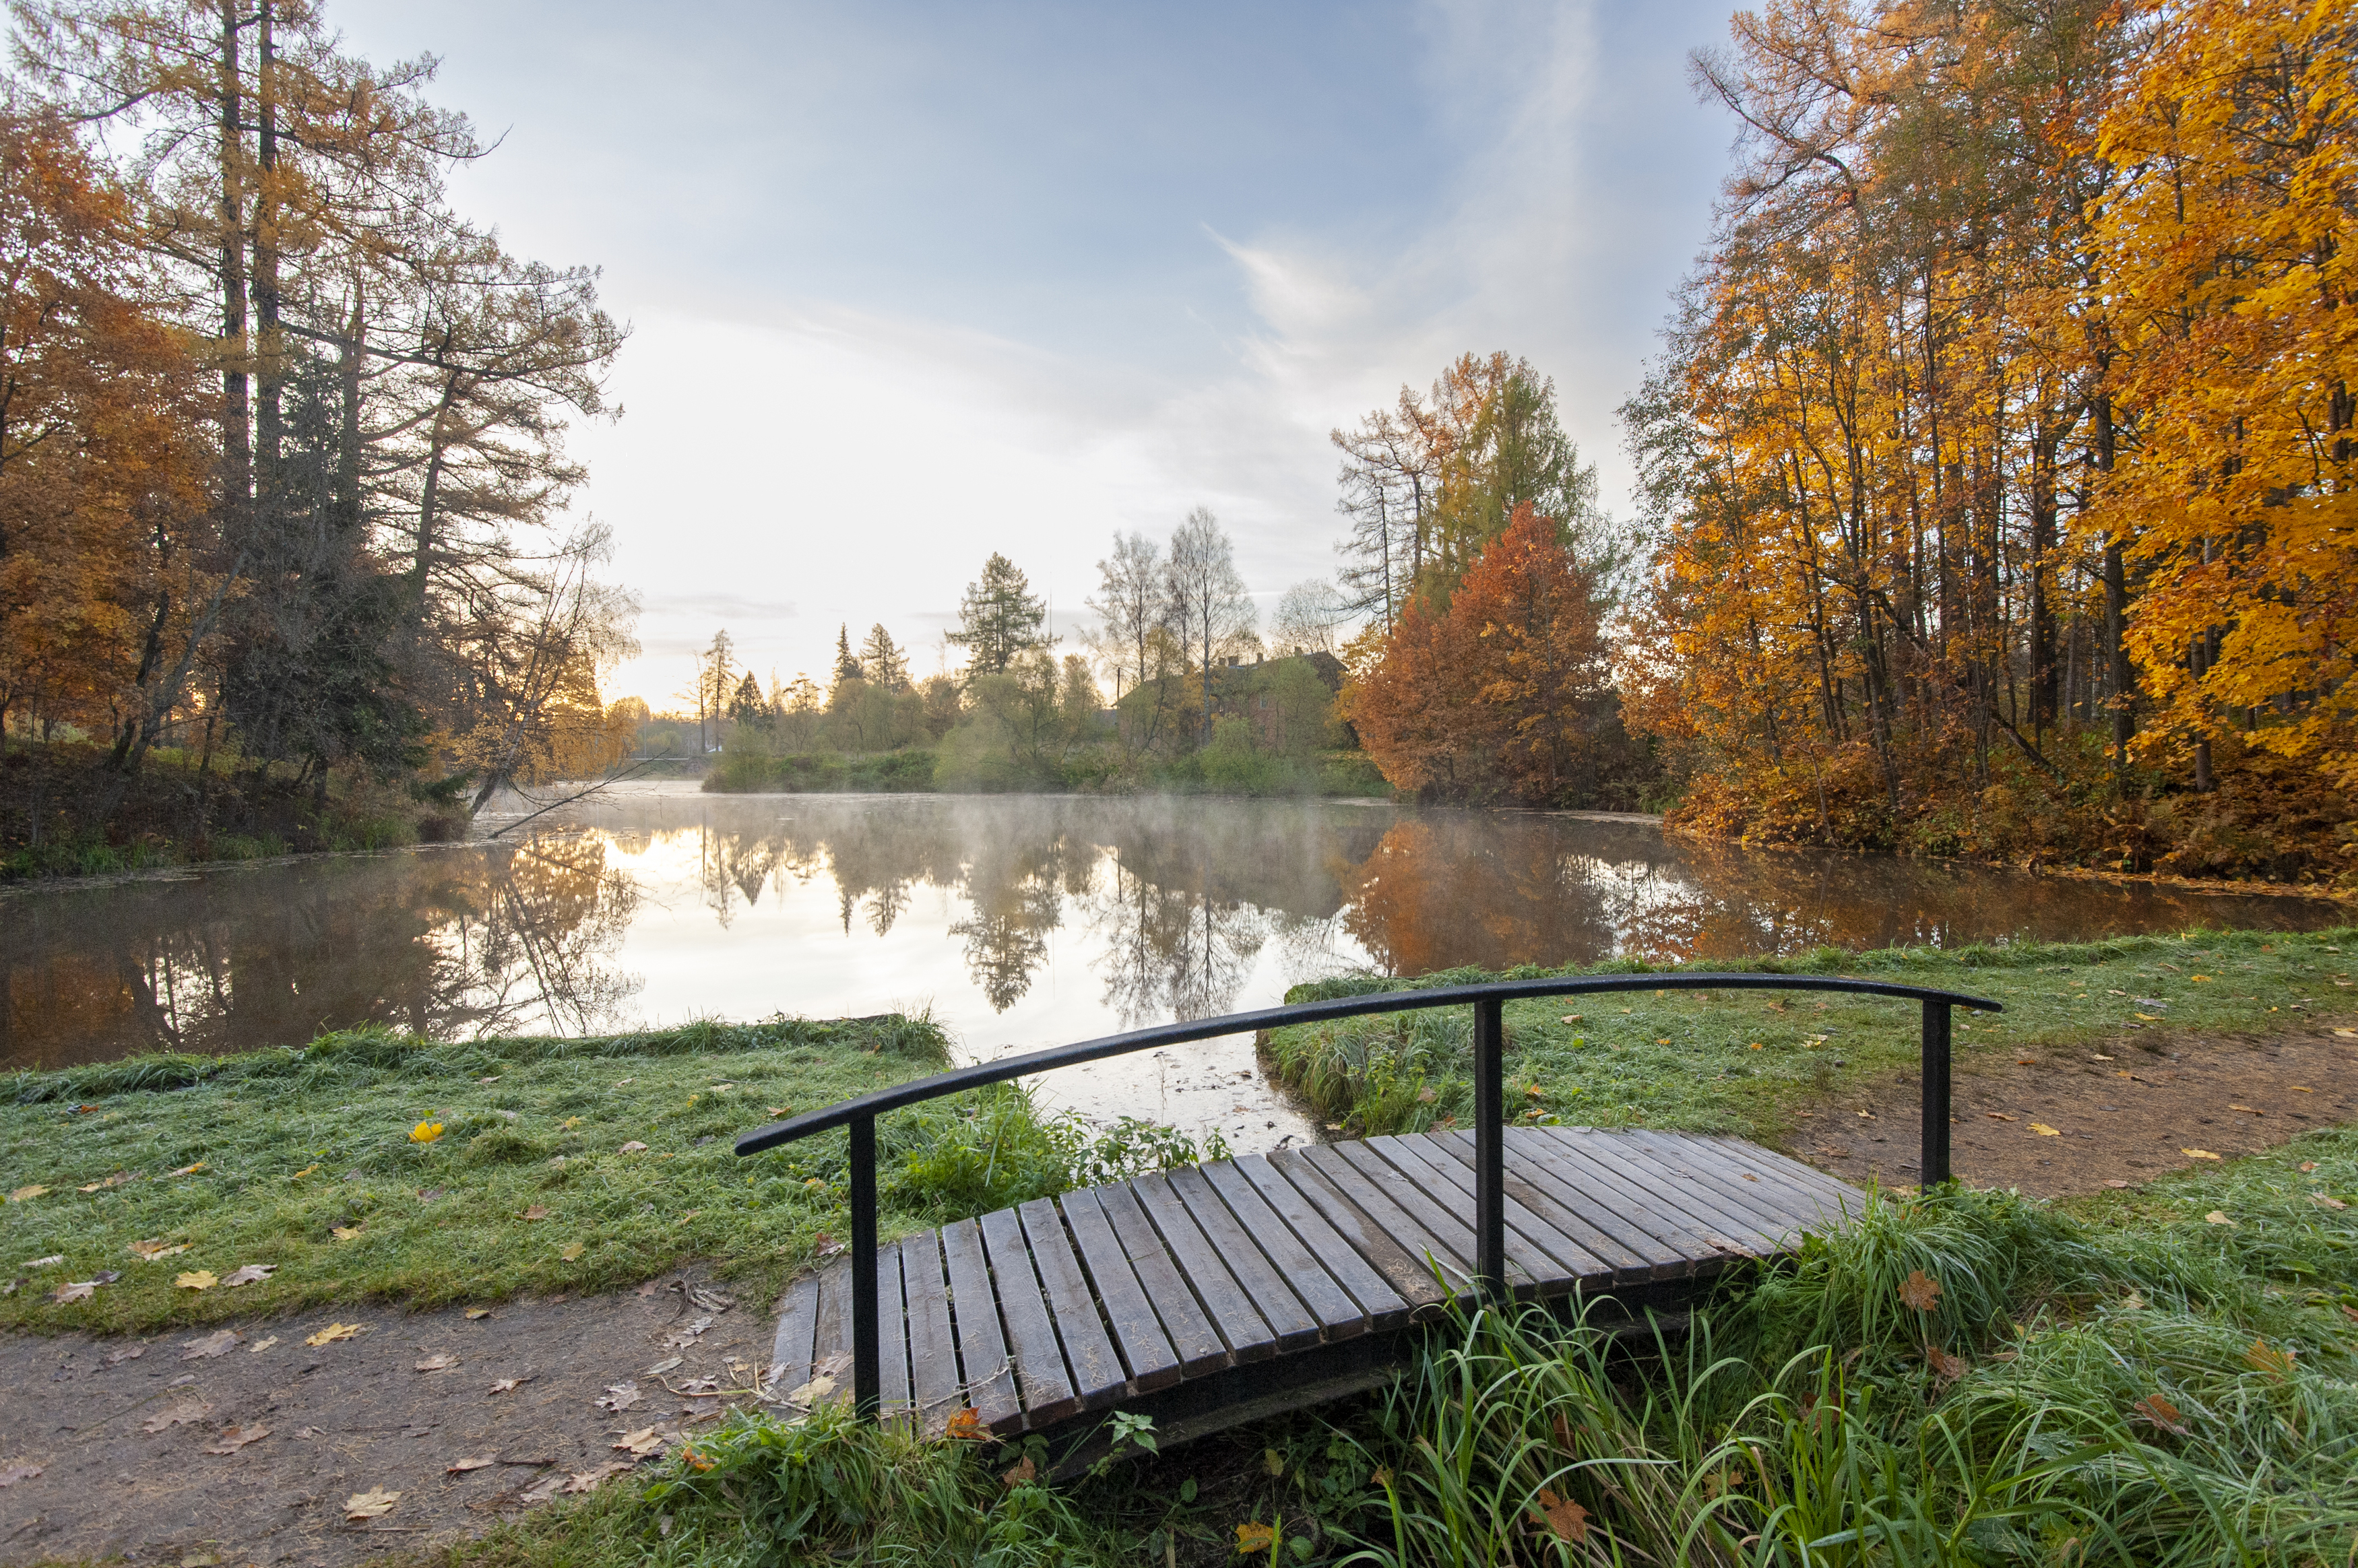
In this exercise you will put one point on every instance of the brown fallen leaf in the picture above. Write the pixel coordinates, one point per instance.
(212, 1345)
(2265, 1357)
(334, 1331)
(1999, 1115)
(234, 1438)
(632, 1147)
(182, 1412)
(481, 1462)
(2326, 1200)
(2247, 1110)
(1567, 1518)
(80, 1290)
(374, 1503)
(127, 1353)
(591, 1479)
(2116, 1183)
(509, 1385)
(1024, 1470)
(2216, 1217)
(966, 1424)
(115, 1180)
(436, 1364)
(2307, 1166)
(155, 1247)
(536, 1211)
(1919, 1291)
(1947, 1368)
(643, 1441)
(249, 1274)
(17, 1470)
(195, 1279)
(2160, 1412)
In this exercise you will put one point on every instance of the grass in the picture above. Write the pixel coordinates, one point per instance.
(1742, 1063)
(2113, 1381)
(306, 1159)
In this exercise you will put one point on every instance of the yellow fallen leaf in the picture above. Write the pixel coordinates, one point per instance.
(259, 1347)
(195, 1279)
(2199, 979)
(2148, 1018)
(303, 1172)
(345, 1232)
(2215, 1218)
(2266, 1357)
(372, 1504)
(966, 1424)
(569, 1123)
(155, 1247)
(426, 1132)
(334, 1331)
(474, 1313)
(2044, 1131)
(1254, 1536)
(26, 1195)
(2198, 1154)
(189, 1170)
(569, 1251)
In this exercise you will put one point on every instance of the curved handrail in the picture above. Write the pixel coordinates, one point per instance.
(1488, 999)
(1001, 1069)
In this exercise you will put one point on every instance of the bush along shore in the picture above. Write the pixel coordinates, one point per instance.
(1235, 767)
(170, 1190)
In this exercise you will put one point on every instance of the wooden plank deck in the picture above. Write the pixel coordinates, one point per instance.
(1220, 1287)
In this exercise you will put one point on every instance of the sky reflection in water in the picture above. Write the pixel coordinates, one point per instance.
(1022, 922)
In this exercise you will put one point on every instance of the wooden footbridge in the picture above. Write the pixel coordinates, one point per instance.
(1224, 1291)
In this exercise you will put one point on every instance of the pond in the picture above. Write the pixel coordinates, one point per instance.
(1021, 922)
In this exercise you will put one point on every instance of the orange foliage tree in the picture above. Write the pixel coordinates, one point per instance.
(1494, 696)
(1998, 460)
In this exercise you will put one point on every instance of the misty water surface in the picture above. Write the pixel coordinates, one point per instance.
(1020, 921)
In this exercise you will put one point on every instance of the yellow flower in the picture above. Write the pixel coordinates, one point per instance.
(426, 1132)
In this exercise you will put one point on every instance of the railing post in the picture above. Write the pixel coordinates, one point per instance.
(1933, 1168)
(1490, 1150)
(867, 1355)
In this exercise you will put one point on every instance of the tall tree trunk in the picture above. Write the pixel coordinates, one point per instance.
(2116, 611)
(237, 452)
(270, 346)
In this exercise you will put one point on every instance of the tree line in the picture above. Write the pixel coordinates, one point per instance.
(1999, 453)
(283, 473)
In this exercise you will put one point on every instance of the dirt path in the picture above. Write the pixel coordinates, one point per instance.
(142, 1450)
(2121, 1112)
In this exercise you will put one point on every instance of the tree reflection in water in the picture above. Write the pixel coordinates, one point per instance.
(482, 940)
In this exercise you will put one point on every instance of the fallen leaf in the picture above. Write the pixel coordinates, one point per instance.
(435, 1364)
(1251, 1537)
(620, 1397)
(540, 1491)
(2308, 1165)
(195, 1279)
(374, 1503)
(212, 1345)
(507, 1385)
(1022, 1471)
(1919, 1291)
(2347, 1034)
(127, 1353)
(345, 1232)
(51, 1261)
(632, 1147)
(426, 1132)
(2215, 1218)
(259, 1346)
(115, 1180)
(536, 1212)
(149, 1251)
(427, 1195)
(643, 1441)
(250, 1274)
(476, 1314)
(1561, 1515)
(966, 1424)
(1948, 1367)
(569, 1251)
(234, 1438)
(2100, 1056)
(2160, 1412)
(2116, 1183)
(781, 1110)
(78, 1291)
(26, 1195)
(590, 1480)
(334, 1331)
(481, 1462)
(184, 1413)
(810, 1394)
(2044, 1131)
(2264, 1357)
(2301, 1088)
(17, 1470)
(2325, 1200)
(189, 1170)
(1999, 1115)
(2198, 1154)
(2247, 1110)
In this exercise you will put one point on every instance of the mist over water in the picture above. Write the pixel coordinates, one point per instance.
(1020, 921)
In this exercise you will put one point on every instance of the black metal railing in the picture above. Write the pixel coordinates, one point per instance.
(1487, 999)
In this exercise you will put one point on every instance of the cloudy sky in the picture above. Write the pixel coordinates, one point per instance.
(911, 283)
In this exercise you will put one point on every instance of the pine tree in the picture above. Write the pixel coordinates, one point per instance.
(847, 667)
(882, 661)
(999, 618)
